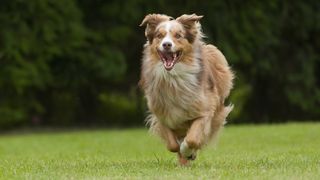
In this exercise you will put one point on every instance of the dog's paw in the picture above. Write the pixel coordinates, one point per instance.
(193, 156)
(186, 152)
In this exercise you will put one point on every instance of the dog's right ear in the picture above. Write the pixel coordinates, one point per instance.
(151, 21)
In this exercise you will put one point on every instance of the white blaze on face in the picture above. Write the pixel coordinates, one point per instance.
(167, 39)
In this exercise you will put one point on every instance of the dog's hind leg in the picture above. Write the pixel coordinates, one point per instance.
(219, 120)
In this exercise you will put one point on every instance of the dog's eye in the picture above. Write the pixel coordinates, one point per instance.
(178, 36)
(159, 36)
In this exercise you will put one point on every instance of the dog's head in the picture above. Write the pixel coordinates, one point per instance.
(172, 39)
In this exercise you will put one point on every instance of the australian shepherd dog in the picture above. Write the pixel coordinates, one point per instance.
(185, 82)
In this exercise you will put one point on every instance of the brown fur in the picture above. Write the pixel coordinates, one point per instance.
(188, 102)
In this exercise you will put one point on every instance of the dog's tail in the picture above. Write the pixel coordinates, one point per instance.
(227, 110)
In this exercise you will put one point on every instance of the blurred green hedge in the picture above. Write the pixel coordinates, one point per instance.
(77, 62)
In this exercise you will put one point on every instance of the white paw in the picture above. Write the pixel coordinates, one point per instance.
(187, 152)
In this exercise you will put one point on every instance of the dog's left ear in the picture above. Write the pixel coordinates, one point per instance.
(189, 23)
(152, 21)
(189, 19)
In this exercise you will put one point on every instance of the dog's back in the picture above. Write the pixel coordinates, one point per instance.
(220, 72)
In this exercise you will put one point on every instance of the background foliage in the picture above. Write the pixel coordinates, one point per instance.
(77, 62)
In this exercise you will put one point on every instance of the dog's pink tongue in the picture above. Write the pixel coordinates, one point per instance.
(168, 62)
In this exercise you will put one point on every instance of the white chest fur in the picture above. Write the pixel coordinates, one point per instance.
(172, 94)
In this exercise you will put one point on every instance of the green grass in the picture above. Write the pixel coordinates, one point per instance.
(289, 151)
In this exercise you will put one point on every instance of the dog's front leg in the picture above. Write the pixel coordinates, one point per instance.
(169, 137)
(195, 138)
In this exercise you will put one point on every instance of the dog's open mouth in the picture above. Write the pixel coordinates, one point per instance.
(169, 58)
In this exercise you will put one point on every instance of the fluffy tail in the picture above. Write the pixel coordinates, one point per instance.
(227, 110)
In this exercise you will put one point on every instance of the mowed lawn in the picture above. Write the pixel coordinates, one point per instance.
(287, 151)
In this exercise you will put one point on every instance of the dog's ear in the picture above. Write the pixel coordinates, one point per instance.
(189, 21)
(151, 21)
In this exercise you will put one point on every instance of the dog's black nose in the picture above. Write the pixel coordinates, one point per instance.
(167, 45)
